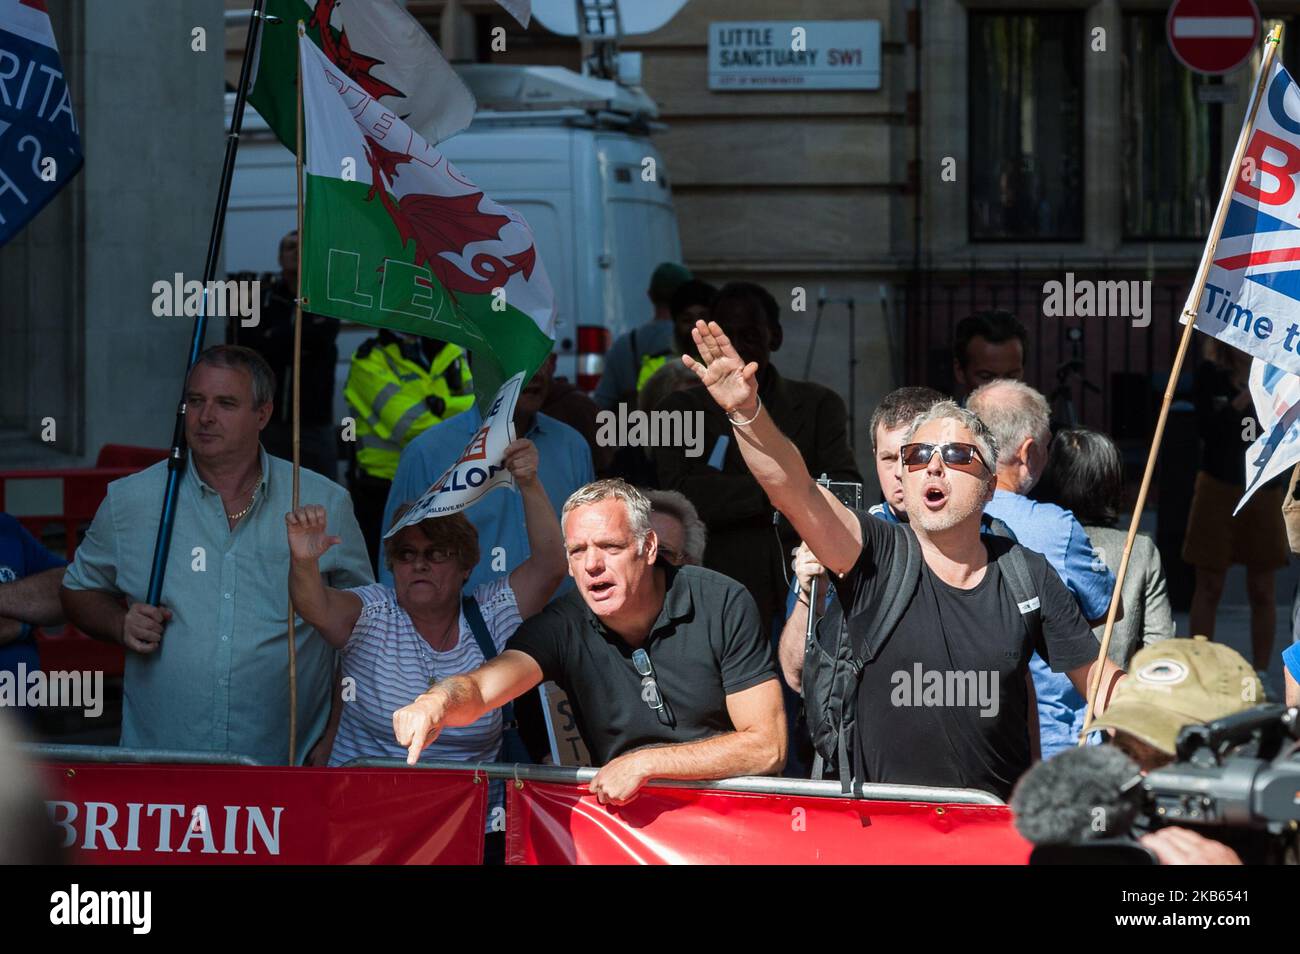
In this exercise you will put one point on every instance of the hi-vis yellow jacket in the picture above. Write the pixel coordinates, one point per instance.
(397, 397)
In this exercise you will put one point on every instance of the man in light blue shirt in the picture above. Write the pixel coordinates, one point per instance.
(208, 669)
(1018, 417)
(564, 465)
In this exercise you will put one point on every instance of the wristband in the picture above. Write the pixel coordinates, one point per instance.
(735, 423)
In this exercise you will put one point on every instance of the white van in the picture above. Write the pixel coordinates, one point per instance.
(571, 153)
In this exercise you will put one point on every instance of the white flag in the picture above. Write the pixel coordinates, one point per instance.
(1252, 293)
(378, 46)
(521, 10)
(1277, 404)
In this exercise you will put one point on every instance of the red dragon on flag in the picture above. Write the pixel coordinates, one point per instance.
(356, 66)
(378, 46)
(441, 224)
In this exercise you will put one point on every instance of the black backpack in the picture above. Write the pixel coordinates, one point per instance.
(834, 659)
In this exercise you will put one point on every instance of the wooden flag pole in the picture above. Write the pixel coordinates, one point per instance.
(297, 449)
(1198, 290)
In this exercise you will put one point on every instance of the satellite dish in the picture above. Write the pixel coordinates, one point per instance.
(638, 16)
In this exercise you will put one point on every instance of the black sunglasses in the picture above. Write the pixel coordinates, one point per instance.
(956, 454)
(650, 688)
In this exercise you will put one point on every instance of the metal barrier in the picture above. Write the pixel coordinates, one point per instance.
(556, 774)
(106, 754)
(755, 784)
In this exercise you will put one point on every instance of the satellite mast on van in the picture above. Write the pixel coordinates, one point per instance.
(600, 24)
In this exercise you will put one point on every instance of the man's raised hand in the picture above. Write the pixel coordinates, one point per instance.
(307, 537)
(731, 382)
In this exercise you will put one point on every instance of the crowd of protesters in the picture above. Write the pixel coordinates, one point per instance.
(656, 589)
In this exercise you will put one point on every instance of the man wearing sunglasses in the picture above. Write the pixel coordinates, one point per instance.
(667, 668)
(957, 617)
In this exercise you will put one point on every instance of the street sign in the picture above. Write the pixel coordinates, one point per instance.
(1213, 36)
(792, 55)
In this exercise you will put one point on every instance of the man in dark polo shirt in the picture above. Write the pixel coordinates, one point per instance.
(667, 668)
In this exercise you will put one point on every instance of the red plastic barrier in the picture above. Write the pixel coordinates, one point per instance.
(68, 497)
(563, 824)
(220, 815)
(129, 455)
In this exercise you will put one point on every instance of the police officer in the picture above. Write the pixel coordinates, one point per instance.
(399, 386)
(623, 362)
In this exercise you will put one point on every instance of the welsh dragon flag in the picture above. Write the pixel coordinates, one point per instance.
(374, 43)
(396, 237)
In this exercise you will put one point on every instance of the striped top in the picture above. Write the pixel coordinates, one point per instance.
(391, 664)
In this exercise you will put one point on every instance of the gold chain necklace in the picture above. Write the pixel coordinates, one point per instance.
(251, 500)
(433, 663)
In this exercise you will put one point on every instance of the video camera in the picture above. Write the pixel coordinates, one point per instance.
(1235, 780)
(1241, 771)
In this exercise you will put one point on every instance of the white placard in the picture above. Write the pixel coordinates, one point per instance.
(479, 468)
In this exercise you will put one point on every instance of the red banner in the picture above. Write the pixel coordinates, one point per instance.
(563, 824)
(212, 815)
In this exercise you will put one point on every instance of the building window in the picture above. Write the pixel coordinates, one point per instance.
(1172, 138)
(1026, 126)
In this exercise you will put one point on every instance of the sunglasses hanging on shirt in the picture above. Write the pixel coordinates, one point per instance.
(650, 693)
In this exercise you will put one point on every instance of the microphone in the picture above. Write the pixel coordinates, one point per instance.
(1079, 807)
(1078, 795)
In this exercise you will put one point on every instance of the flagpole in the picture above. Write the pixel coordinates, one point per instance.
(176, 458)
(297, 391)
(1198, 290)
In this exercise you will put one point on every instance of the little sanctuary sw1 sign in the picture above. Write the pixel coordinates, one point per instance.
(794, 55)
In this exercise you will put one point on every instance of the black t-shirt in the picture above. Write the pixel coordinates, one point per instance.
(705, 645)
(944, 701)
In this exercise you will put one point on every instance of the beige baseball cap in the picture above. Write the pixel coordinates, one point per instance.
(1179, 682)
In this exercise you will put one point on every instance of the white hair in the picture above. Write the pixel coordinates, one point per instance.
(638, 507)
(1013, 412)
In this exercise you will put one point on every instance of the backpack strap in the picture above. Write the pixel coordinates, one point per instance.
(1015, 570)
(477, 625)
(995, 527)
(905, 567)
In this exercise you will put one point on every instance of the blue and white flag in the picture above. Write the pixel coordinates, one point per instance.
(40, 144)
(1252, 293)
(1277, 405)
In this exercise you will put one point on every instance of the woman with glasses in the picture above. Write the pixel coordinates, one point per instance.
(397, 642)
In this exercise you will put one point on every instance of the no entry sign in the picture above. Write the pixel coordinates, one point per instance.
(1212, 36)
